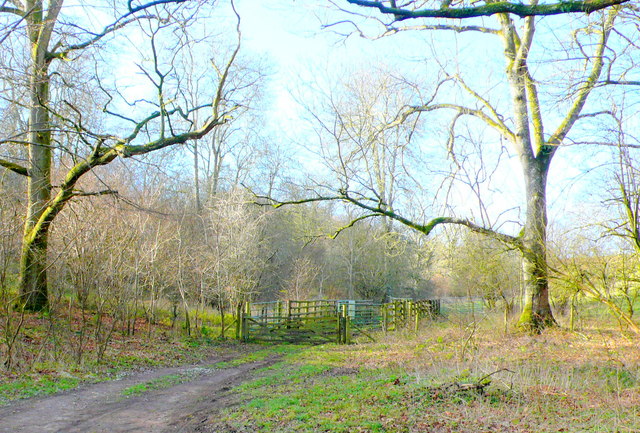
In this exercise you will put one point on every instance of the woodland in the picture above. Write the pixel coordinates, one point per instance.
(148, 185)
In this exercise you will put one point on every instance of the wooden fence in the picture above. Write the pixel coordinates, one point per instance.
(328, 321)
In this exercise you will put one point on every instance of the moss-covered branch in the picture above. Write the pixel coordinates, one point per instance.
(378, 209)
(494, 122)
(12, 10)
(14, 167)
(579, 102)
(519, 9)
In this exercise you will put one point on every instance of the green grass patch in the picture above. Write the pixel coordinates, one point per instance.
(260, 355)
(313, 397)
(163, 382)
(31, 387)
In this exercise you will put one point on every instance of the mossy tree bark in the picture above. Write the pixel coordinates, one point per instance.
(33, 263)
(535, 156)
(536, 311)
(536, 152)
(461, 10)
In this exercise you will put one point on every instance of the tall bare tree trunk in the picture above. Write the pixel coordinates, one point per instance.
(33, 263)
(536, 312)
(535, 158)
(196, 176)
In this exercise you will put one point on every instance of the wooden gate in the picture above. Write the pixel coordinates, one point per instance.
(291, 321)
(324, 321)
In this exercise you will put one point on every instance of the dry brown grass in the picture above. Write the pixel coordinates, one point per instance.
(558, 381)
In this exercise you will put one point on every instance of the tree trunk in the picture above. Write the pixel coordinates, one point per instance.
(33, 263)
(535, 159)
(536, 312)
(196, 176)
(33, 273)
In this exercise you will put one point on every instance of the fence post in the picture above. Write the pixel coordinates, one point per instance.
(245, 321)
(346, 337)
(239, 320)
(417, 313)
(340, 326)
(392, 313)
(385, 317)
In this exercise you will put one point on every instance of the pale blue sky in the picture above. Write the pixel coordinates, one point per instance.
(289, 34)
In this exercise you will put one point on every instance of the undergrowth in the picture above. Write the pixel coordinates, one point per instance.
(58, 350)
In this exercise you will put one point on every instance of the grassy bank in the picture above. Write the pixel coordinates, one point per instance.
(449, 378)
(64, 348)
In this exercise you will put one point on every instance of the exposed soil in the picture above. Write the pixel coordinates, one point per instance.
(102, 407)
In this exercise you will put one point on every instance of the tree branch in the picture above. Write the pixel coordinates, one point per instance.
(519, 9)
(128, 150)
(381, 210)
(63, 53)
(619, 82)
(95, 193)
(433, 223)
(121, 22)
(598, 61)
(352, 223)
(10, 10)
(14, 167)
(497, 124)
(458, 29)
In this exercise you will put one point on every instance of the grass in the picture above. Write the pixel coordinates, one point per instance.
(260, 355)
(556, 382)
(163, 382)
(26, 387)
(405, 382)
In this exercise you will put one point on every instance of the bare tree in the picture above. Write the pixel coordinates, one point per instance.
(522, 124)
(362, 145)
(585, 269)
(51, 36)
(12, 324)
(625, 186)
(229, 151)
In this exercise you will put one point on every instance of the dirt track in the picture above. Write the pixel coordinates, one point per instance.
(102, 407)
